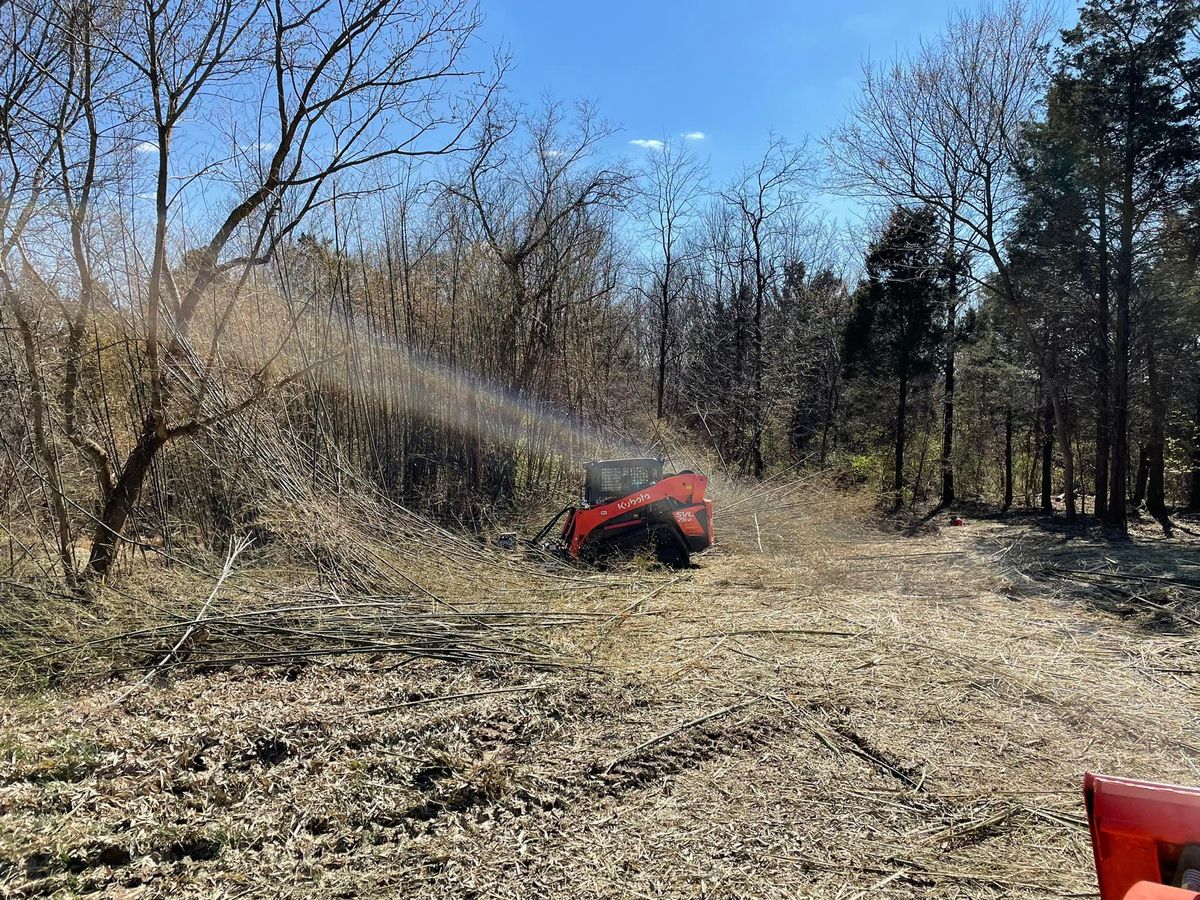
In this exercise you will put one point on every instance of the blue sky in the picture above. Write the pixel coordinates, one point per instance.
(735, 71)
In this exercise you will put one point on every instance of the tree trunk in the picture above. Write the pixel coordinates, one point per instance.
(1103, 366)
(662, 355)
(37, 406)
(1083, 488)
(1102, 462)
(1119, 477)
(948, 398)
(1063, 435)
(119, 504)
(760, 290)
(1156, 500)
(948, 412)
(1031, 452)
(901, 415)
(1194, 496)
(1047, 458)
(830, 412)
(1118, 514)
(1143, 476)
(918, 491)
(1008, 458)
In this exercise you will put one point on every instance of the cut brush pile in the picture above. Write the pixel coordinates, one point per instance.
(327, 569)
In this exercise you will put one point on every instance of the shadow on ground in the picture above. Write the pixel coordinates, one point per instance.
(1149, 577)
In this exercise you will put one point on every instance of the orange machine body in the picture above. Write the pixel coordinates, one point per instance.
(1142, 835)
(676, 505)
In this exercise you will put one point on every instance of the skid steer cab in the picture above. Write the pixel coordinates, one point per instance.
(1145, 837)
(629, 506)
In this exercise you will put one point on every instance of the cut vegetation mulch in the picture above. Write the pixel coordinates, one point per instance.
(823, 708)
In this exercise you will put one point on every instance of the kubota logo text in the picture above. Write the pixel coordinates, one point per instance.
(633, 501)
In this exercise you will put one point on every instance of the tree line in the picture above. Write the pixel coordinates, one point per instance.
(326, 225)
(1064, 182)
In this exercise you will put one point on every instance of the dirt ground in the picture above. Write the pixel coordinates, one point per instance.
(871, 712)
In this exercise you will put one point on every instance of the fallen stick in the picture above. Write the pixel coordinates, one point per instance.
(1123, 576)
(1167, 609)
(919, 870)
(235, 550)
(899, 873)
(1057, 818)
(894, 556)
(963, 829)
(745, 632)
(628, 611)
(658, 739)
(632, 607)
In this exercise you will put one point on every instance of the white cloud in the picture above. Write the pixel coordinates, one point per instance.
(647, 144)
(146, 147)
(694, 136)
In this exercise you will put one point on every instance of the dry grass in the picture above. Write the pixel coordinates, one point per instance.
(824, 708)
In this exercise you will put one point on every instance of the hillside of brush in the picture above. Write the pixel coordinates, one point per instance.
(831, 703)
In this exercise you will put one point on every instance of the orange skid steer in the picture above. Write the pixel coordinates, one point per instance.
(629, 506)
(1145, 837)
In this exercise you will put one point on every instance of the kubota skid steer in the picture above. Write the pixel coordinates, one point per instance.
(628, 505)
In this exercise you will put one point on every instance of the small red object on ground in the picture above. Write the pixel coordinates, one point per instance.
(957, 521)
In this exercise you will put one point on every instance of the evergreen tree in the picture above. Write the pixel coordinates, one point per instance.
(1135, 138)
(895, 330)
(1059, 246)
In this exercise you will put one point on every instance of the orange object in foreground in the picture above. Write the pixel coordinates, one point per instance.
(1145, 837)
(1145, 890)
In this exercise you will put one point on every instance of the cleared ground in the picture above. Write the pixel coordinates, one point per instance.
(827, 707)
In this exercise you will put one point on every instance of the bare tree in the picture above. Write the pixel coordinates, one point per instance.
(534, 199)
(671, 184)
(30, 129)
(334, 89)
(761, 195)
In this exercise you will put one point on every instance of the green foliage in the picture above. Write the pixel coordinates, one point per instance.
(895, 335)
(1122, 67)
(896, 328)
(853, 470)
(865, 468)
